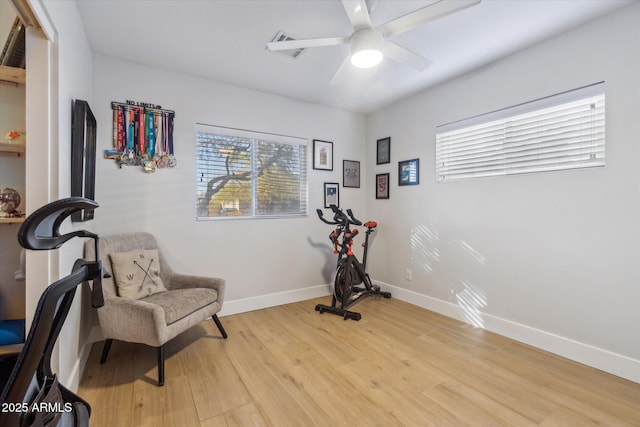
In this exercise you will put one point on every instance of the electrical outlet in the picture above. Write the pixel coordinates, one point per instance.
(408, 274)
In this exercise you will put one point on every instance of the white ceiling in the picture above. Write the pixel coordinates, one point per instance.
(224, 40)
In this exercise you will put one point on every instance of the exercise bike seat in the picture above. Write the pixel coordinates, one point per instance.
(371, 224)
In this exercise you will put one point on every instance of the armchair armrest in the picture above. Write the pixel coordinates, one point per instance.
(185, 281)
(132, 320)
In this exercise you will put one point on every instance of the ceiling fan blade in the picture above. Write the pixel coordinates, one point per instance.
(405, 56)
(297, 44)
(343, 72)
(424, 15)
(357, 13)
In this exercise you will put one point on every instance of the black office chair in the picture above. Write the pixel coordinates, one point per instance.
(32, 394)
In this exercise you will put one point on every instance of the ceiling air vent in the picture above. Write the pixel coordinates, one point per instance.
(292, 53)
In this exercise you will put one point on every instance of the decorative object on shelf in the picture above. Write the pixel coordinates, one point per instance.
(322, 155)
(12, 134)
(409, 172)
(350, 174)
(83, 157)
(382, 186)
(142, 136)
(9, 201)
(331, 194)
(383, 151)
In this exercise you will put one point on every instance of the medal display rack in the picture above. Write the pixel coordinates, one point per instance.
(142, 136)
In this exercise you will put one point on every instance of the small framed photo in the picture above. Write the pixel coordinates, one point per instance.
(322, 155)
(382, 186)
(350, 174)
(409, 172)
(331, 194)
(383, 151)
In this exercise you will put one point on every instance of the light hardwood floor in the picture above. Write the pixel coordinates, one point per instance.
(399, 366)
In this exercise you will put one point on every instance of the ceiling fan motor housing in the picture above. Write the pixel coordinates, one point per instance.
(366, 48)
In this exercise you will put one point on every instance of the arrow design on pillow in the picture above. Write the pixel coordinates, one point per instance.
(146, 274)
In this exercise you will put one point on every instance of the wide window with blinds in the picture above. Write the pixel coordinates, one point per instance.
(563, 131)
(246, 174)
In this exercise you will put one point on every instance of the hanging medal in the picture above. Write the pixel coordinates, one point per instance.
(159, 131)
(161, 159)
(141, 133)
(131, 160)
(149, 165)
(122, 134)
(172, 159)
(136, 133)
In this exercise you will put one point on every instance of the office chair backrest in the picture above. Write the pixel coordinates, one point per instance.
(32, 381)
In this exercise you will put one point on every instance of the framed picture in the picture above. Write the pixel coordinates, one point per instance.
(83, 156)
(331, 194)
(322, 155)
(383, 151)
(409, 172)
(350, 174)
(382, 186)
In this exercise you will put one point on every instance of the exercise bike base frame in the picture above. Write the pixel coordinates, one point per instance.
(346, 314)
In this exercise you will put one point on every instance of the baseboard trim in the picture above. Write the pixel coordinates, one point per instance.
(73, 382)
(604, 360)
(274, 299)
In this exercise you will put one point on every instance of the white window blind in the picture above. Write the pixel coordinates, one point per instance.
(250, 174)
(564, 131)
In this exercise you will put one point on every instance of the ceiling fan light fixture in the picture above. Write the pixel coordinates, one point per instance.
(366, 48)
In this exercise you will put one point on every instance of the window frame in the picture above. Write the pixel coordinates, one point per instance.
(254, 138)
(461, 142)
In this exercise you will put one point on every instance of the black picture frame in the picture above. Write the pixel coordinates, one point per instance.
(322, 155)
(383, 151)
(351, 174)
(331, 194)
(382, 185)
(83, 156)
(409, 172)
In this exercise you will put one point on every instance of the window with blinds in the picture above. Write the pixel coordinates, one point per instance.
(563, 131)
(246, 174)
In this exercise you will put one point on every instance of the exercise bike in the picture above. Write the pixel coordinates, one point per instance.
(350, 272)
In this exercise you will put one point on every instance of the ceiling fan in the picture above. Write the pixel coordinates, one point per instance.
(368, 44)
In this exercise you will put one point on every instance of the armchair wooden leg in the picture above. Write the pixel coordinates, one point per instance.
(219, 325)
(105, 350)
(161, 365)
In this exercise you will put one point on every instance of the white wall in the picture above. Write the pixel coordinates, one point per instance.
(551, 259)
(265, 262)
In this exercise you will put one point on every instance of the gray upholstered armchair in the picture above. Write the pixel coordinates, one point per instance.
(164, 303)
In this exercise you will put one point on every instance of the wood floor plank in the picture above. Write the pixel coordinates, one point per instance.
(207, 366)
(170, 405)
(244, 416)
(405, 407)
(400, 365)
(109, 388)
(263, 377)
(474, 407)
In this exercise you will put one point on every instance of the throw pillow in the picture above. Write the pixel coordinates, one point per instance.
(137, 273)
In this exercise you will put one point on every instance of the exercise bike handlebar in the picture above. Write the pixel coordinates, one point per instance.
(322, 218)
(353, 219)
(342, 219)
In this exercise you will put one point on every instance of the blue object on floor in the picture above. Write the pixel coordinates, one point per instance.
(11, 331)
